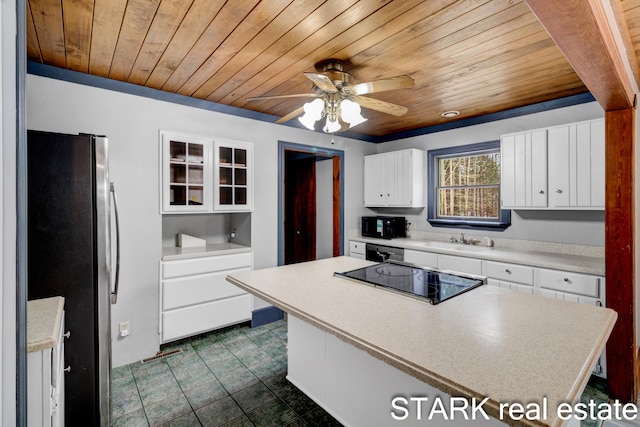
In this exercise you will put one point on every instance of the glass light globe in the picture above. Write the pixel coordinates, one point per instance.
(332, 125)
(350, 112)
(312, 113)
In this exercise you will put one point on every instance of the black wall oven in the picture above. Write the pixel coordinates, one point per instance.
(380, 253)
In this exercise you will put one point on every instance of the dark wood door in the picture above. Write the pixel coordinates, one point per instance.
(299, 208)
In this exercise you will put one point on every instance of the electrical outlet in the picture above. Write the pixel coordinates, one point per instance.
(123, 331)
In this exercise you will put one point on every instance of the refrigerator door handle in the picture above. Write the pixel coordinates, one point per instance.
(114, 293)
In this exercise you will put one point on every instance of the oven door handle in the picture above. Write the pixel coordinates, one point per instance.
(385, 255)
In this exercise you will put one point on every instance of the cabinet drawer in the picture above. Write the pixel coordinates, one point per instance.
(515, 287)
(510, 272)
(575, 283)
(184, 291)
(425, 259)
(192, 320)
(460, 264)
(203, 265)
(357, 248)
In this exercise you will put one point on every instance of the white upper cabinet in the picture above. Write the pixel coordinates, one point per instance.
(233, 176)
(524, 169)
(561, 167)
(395, 179)
(186, 173)
(205, 175)
(576, 165)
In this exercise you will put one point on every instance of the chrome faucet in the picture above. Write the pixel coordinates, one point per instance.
(463, 240)
(470, 241)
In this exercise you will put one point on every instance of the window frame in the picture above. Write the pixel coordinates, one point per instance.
(504, 217)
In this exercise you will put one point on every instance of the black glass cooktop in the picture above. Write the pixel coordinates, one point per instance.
(432, 285)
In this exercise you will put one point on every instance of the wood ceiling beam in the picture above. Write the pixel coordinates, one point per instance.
(588, 34)
(593, 38)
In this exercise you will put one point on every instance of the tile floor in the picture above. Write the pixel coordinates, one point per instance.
(233, 377)
(596, 390)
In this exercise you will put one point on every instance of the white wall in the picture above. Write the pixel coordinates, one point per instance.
(585, 228)
(132, 125)
(8, 211)
(324, 204)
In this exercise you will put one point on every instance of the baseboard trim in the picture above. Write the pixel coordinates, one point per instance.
(265, 315)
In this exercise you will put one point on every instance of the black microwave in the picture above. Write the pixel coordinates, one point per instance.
(384, 227)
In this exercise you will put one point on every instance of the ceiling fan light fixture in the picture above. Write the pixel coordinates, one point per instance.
(312, 113)
(307, 121)
(332, 125)
(350, 112)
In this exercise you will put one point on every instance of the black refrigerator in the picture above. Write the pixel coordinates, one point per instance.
(71, 206)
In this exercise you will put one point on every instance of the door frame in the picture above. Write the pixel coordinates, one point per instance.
(310, 149)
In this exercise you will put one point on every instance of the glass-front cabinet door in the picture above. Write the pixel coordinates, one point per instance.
(186, 173)
(233, 171)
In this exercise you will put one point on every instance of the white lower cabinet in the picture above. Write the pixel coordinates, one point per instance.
(195, 296)
(575, 287)
(423, 259)
(45, 385)
(574, 283)
(357, 250)
(460, 264)
(353, 386)
(514, 277)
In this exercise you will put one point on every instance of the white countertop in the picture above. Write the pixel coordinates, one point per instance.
(488, 342)
(174, 252)
(44, 320)
(536, 258)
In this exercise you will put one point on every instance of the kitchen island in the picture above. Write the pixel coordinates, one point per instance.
(488, 343)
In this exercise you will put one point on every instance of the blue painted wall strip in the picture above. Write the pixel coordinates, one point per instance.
(265, 315)
(38, 69)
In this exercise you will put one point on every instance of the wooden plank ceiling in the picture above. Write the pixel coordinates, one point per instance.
(474, 56)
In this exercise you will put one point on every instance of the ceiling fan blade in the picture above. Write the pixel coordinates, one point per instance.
(291, 115)
(392, 83)
(382, 106)
(322, 81)
(295, 95)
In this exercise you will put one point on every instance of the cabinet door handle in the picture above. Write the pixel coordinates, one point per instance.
(559, 191)
(507, 271)
(67, 334)
(567, 280)
(541, 191)
(67, 369)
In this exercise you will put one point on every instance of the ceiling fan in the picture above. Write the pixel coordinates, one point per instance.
(340, 100)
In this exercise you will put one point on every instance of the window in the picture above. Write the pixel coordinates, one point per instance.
(464, 187)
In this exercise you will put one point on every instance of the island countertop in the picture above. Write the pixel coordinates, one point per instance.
(44, 320)
(488, 342)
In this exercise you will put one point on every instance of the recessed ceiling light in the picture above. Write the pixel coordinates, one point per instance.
(449, 114)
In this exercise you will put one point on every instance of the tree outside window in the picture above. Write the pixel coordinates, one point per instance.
(464, 187)
(469, 186)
